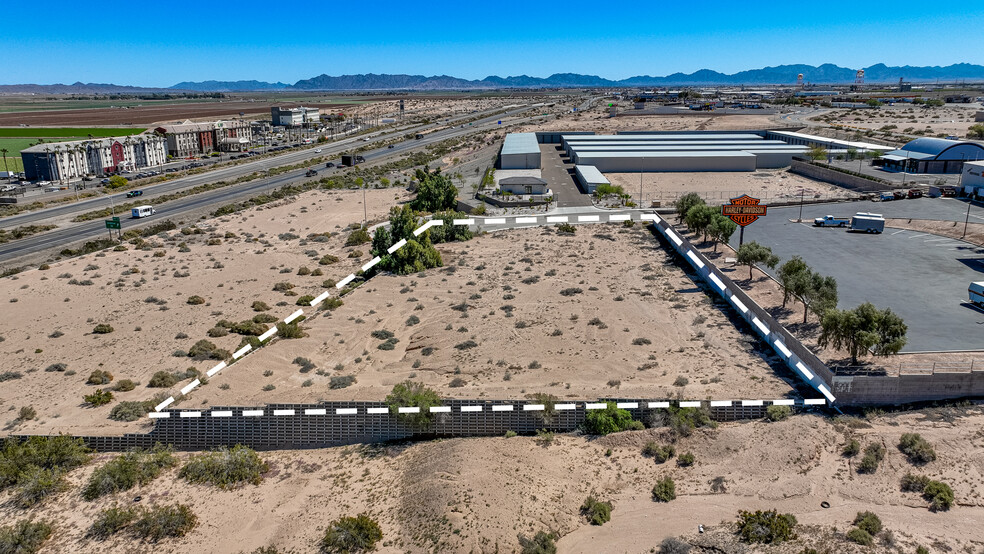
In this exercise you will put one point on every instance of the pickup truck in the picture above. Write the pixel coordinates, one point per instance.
(311, 173)
(830, 221)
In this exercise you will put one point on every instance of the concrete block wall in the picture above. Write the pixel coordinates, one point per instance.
(850, 182)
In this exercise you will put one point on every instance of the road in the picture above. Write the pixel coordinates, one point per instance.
(174, 209)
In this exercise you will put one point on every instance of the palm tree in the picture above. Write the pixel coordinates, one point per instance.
(4, 152)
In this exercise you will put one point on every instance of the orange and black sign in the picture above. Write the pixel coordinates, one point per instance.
(743, 210)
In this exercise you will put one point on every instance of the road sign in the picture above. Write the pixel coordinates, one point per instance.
(115, 218)
(110, 224)
(743, 210)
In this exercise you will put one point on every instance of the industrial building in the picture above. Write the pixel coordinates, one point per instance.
(932, 155)
(200, 139)
(834, 146)
(63, 161)
(295, 117)
(589, 177)
(523, 185)
(633, 162)
(972, 181)
(520, 151)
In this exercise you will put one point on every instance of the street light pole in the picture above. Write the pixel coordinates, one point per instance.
(642, 170)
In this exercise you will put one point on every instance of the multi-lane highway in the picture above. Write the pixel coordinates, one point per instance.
(75, 232)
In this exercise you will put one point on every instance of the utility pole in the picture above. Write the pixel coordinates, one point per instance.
(800, 219)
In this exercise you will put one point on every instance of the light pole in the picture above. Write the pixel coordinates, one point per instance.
(642, 170)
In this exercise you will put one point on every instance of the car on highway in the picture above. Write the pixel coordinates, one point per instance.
(317, 150)
(390, 146)
(104, 182)
(330, 164)
(134, 193)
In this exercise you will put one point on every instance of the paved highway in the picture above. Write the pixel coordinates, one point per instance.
(174, 209)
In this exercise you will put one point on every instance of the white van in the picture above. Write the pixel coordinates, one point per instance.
(976, 291)
(142, 211)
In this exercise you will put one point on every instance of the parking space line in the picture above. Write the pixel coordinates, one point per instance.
(899, 231)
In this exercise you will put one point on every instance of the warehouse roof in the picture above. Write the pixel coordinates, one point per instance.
(659, 137)
(590, 174)
(827, 140)
(936, 147)
(520, 143)
(668, 154)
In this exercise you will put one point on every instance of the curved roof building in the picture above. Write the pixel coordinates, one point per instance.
(933, 155)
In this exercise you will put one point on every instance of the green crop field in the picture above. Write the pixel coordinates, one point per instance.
(68, 132)
(14, 146)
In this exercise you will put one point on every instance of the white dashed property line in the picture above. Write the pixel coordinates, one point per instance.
(657, 404)
(399, 244)
(471, 408)
(673, 236)
(159, 415)
(782, 348)
(524, 220)
(221, 413)
(242, 351)
(377, 411)
(653, 217)
(690, 403)
(627, 405)
(823, 389)
(620, 217)
(432, 223)
(717, 282)
(315, 411)
(371, 263)
(784, 402)
(319, 298)
(252, 413)
(495, 221)
(814, 402)
(293, 316)
(595, 405)
(739, 305)
(502, 408)
(806, 372)
(720, 403)
(761, 326)
(440, 409)
(751, 403)
(565, 406)
(190, 386)
(408, 410)
(587, 218)
(346, 411)
(283, 412)
(693, 257)
(221, 365)
(557, 219)
(191, 414)
(164, 404)
(533, 407)
(345, 281)
(462, 221)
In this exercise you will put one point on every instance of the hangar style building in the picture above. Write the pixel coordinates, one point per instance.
(520, 151)
(932, 155)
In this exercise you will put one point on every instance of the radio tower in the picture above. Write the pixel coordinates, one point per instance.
(859, 78)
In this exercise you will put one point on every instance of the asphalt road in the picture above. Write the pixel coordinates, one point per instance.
(174, 209)
(920, 276)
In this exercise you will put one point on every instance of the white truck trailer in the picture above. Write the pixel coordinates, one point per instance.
(976, 291)
(867, 222)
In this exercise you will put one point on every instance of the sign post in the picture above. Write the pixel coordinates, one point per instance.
(113, 224)
(743, 210)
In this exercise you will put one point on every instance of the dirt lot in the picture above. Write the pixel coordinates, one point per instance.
(477, 495)
(892, 122)
(631, 328)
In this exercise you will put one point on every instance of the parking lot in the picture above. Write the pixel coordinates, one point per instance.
(920, 276)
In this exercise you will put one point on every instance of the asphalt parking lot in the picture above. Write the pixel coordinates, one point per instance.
(922, 277)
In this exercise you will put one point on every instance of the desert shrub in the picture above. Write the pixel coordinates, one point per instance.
(922, 550)
(59, 367)
(162, 380)
(35, 484)
(357, 237)
(466, 345)
(205, 350)
(24, 537)
(103, 328)
(303, 270)
(382, 334)
(768, 527)
(99, 377)
(99, 398)
(914, 483)
(131, 410)
(328, 260)
(917, 449)
(264, 318)
(683, 421)
(869, 522)
(216, 332)
(351, 534)
(873, 455)
(290, 331)
(27, 413)
(341, 382)
(672, 545)
(331, 303)
(609, 420)
(195, 300)
(686, 460)
(570, 291)
(225, 468)
(10, 376)
(664, 490)
(249, 327)
(306, 364)
(124, 385)
(540, 543)
(658, 452)
(851, 448)
(597, 512)
(410, 393)
(127, 471)
(778, 413)
(566, 229)
(259, 306)
(681, 381)
(303, 300)
(283, 287)
(860, 536)
(19, 458)
(110, 521)
(161, 522)
(412, 320)
(940, 496)
(388, 344)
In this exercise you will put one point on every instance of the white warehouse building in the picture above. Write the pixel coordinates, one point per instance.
(520, 151)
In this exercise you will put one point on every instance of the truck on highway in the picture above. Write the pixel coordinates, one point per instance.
(830, 221)
(976, 291)
(142, 211)
(350, 160)
(867, 222)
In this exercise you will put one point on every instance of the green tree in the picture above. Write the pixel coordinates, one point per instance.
(720, 229)
(449, 232)
(417, 254)
(861, 329)
(349, 535)
(820, 295)
(873, 103)
(789, 274)
(768, 527)
(435, 192)
(699, 217)
(752, 253)
(609, 420)
(685, 202)
(817, 152)
(116, 182)
(976, 131)
(412, 394)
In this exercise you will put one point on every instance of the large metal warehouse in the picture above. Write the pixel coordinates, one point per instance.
(520, 151)
(629, 162)
(933, 155)
(565, 139)
(589, 177)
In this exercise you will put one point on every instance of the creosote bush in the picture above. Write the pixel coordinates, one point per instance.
(102, 329)
(161, 522)
(410, 393)
(99, 398)
(664, 490)
(99, 377)
(597, 512)
(540, 543)
(778, 413)
(128, 470)
(195, 300)
(917, 449)
(658, 452)
(225, 467)
(351, 534)
(25, 536)
(766, 527)
(873, 455)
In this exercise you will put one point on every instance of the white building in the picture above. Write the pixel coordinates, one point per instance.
(61, 161)
(291, 117)
(520, 151)
(973, 179)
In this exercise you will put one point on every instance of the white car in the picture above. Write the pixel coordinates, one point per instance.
(317, 151)
(8, 188)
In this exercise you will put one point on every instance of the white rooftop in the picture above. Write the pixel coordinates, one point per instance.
(590, 174)
(520, 143)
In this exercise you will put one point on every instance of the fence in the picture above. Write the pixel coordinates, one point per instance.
(850, 181)
(912, 368)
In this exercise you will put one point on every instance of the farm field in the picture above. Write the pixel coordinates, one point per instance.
(68, 132)
(13, 147)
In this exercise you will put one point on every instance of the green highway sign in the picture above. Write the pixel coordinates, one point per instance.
(113, 223)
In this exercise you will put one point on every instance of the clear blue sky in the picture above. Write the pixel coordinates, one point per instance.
(162, 43)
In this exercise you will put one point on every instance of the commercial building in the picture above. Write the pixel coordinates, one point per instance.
(589, 177)
(972, 181)
(689, 161)
(520, 151)
(831, 144)
(523, 185)
(62, 161)
(295, 117)
(932, 155)
(200, 139)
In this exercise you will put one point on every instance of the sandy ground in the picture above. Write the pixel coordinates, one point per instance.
(952, 119)
(601, 123)
(477, 495)
(769, 185)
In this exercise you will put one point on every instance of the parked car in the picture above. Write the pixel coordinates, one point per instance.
(886, 196)
(949, 191)
(830, 221)
(104, 182)
(899, 195)
(134, 193)
(915, 193)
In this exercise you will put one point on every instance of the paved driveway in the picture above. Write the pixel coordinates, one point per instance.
(561, 178)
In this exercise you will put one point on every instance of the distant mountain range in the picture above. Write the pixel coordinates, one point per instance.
(827, 74)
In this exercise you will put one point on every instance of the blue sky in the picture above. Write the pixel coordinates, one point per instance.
(162, 43)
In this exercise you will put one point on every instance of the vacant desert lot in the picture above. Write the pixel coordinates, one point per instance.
(477, 495)
(600, 313)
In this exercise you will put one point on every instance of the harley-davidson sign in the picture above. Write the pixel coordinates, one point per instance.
(743, 210)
